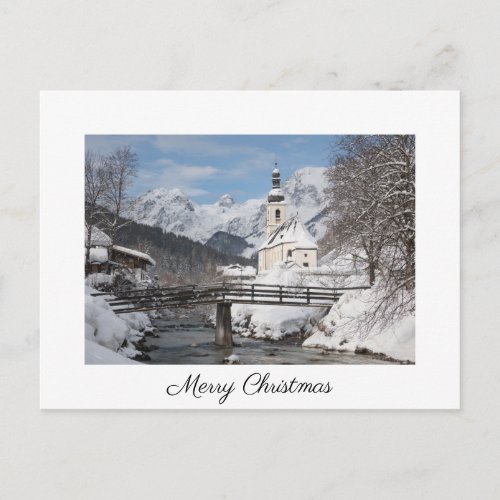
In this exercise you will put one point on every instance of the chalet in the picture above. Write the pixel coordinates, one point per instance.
(288, 240)
(104, 257)
(133, 259)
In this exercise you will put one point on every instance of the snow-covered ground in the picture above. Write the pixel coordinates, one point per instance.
(237, 270)
(96, 354)
(95, 280)
(275, 322)
(109, 338)
(341, 329)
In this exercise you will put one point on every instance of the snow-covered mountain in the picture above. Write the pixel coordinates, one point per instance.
(174, 212)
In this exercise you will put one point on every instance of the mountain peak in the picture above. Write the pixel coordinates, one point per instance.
(173, 211)
(177, 193)
(226, 201)
(162, 192)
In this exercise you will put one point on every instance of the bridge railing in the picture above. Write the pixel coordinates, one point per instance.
(257, 293)
(219, 286)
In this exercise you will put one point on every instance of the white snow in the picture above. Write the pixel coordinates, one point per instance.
(173, 211)
(343, 264)
(304, 193)
(342, 329)
(102, 325)
(226, 201)
(276, 192)
(96, 279)
(238, 270)
(97, 237)
(291, 231)
(135, 253)
(96, 354)
(98, 255)
(275, 322)
(233, 359)
(110, 331)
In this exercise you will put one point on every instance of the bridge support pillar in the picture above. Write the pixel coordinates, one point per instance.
(223, 331)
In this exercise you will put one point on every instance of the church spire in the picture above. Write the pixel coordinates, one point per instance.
(276, 194)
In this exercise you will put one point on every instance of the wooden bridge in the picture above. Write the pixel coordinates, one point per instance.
(224, 295)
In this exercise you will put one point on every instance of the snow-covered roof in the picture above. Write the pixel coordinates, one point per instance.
(291, 231)
(276, 192)
(238, 270)
(97, 237)
(98, 255)
(135, 253)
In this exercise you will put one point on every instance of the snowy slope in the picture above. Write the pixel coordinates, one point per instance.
(173, 211)
(339, 329)
(108, 336)
(275, 322)
(342, 329)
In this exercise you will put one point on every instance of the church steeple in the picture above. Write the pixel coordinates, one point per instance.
(276, 206)
(276, 194)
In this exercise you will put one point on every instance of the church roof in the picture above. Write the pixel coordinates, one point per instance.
(291, 231)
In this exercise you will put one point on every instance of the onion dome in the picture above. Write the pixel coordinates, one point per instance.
(276, 194)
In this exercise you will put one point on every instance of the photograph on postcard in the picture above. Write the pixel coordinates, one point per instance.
(249, 249)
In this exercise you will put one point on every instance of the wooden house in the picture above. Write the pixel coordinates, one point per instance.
(104, 257)
(132, 259)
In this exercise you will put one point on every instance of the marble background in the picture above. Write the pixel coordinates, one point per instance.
(249, 45)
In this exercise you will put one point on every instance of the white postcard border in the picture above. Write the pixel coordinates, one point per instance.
(67, 116)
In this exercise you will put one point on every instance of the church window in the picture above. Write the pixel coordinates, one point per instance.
(306, 264)
(289, 254)
(278, 214)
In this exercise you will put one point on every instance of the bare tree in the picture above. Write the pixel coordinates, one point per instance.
(121, 168)
(397, 206)
(371, 190)
(354, 192)
(96, 182)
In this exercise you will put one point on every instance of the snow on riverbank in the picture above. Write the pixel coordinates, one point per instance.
(275, 322)
(116, 334)
(341, 329)
(96, 354)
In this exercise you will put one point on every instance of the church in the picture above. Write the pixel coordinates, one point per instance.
(288, 241)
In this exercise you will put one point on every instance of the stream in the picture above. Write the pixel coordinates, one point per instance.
(187, 340)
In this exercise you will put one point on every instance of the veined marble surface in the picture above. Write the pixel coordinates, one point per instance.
(260, 44)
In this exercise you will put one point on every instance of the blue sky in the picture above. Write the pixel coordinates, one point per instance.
(208, 166)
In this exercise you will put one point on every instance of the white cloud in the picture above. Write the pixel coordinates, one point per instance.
(198, 172)
(194, 192)
(171, 174)
(207, 146)
(185, 171)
